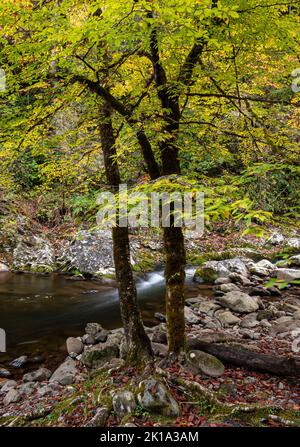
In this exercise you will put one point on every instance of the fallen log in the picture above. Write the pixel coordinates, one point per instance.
(239, 355)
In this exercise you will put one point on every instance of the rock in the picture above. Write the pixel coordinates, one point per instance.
(241, 279)
(100, 417)
(4, 373)
(265, 324)
(190, 316)
(203, 363)
(93, 329)
(210, 271)
(222, 280)
(294, 261)
(276, 239)
(228, 287)
(249, 321)
(124, 402)
(65, 374)
(101, 337)
(3, 268)
(288, 326)
(259, 291)
(27, 388)
(12, 396)
(159, 334)
(88, 339)
(238, 302)
(90, 252)
(265, 314)
(287, 274)
(34, 254)
(37, 376)
(296, 315)
(19, 362)
(100, 354)
(50, 389)
(283, 319)
(160, 317)
(293, 242)
(159, 349)
(153, 396)
(8, 385)
(208, 308)
(193, 302)
(227, 318)
(246, 333)
(262, 268)
(74, 345)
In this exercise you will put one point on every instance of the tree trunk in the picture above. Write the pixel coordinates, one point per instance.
(175, 276)
(138, 343)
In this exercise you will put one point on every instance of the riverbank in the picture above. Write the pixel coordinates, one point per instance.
(252, 321)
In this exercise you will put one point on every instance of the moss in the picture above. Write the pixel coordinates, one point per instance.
(146, 261)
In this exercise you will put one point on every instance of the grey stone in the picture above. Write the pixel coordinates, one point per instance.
(153, 396)
(8, 385)
(160, 349)
(19, 362)
(37, 376)
(160, 317)
(227, 318)
(288, 274)
(65, 374)
(74, 345)
(12, 396)
(190, 316)
(124, 402)
(288, 326)
(34, 254)
(228, 287)
(27, 388)
(222, 280)
(100, 354)
(262, 268)
(102, 336)
(4, 373)
(294, 261)
(201, 362)
(99, 418)
(93, 329)
(239, 302)
(247, 333)
(250, 321)
(88, 339)
(3, 268)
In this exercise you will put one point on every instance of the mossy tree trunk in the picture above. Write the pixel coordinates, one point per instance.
(138, 343)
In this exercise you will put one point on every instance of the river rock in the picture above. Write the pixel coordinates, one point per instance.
(159, 334)
(49, 389)
(287, 274)
(27, 388)
(153, 396)
(262, 268)
(222, 280)
(34, 254)
(99, 354)
(238, 302)
(74, 345)
(203, 363)
(37, 376)
(227, 318)
(208, 308)
(294, 261)
(124, 402)
(102, 336)
(288, 326)
(12, 396)
(276, 239)
(190, 316)
(8, 385)
(93, 329)
(19, 362)
(65, 374)
(241, 279)
(293, 242)
(4, 373)
(3, 268)
(259, 291)
(296, 315)
(212, 270)
(228, 287)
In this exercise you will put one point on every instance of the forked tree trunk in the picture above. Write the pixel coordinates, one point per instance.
(138, 343)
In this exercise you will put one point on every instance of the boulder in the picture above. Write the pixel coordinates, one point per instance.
(287, 274)
(34, 254)
(238, 302)
(222, 280)
(294, 261)
(12, 396)
(276, 239)
(287, 326)
(37, 376)
(27, 388)
(202, 363)
(228, 287)
(99, 354)
(250, 321)
(262, 268)
(19, 362)
(159, 349)
(74, 345)
(65, 374)
(293, 242)
(50, 389)
(154, 397)
(124, 402)
(208, 308)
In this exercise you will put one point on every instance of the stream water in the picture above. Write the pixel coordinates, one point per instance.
(39, 312)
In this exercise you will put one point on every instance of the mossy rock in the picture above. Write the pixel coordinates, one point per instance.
(100, 354)
(201, 362)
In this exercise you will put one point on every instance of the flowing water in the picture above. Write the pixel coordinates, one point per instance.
(39, 312)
